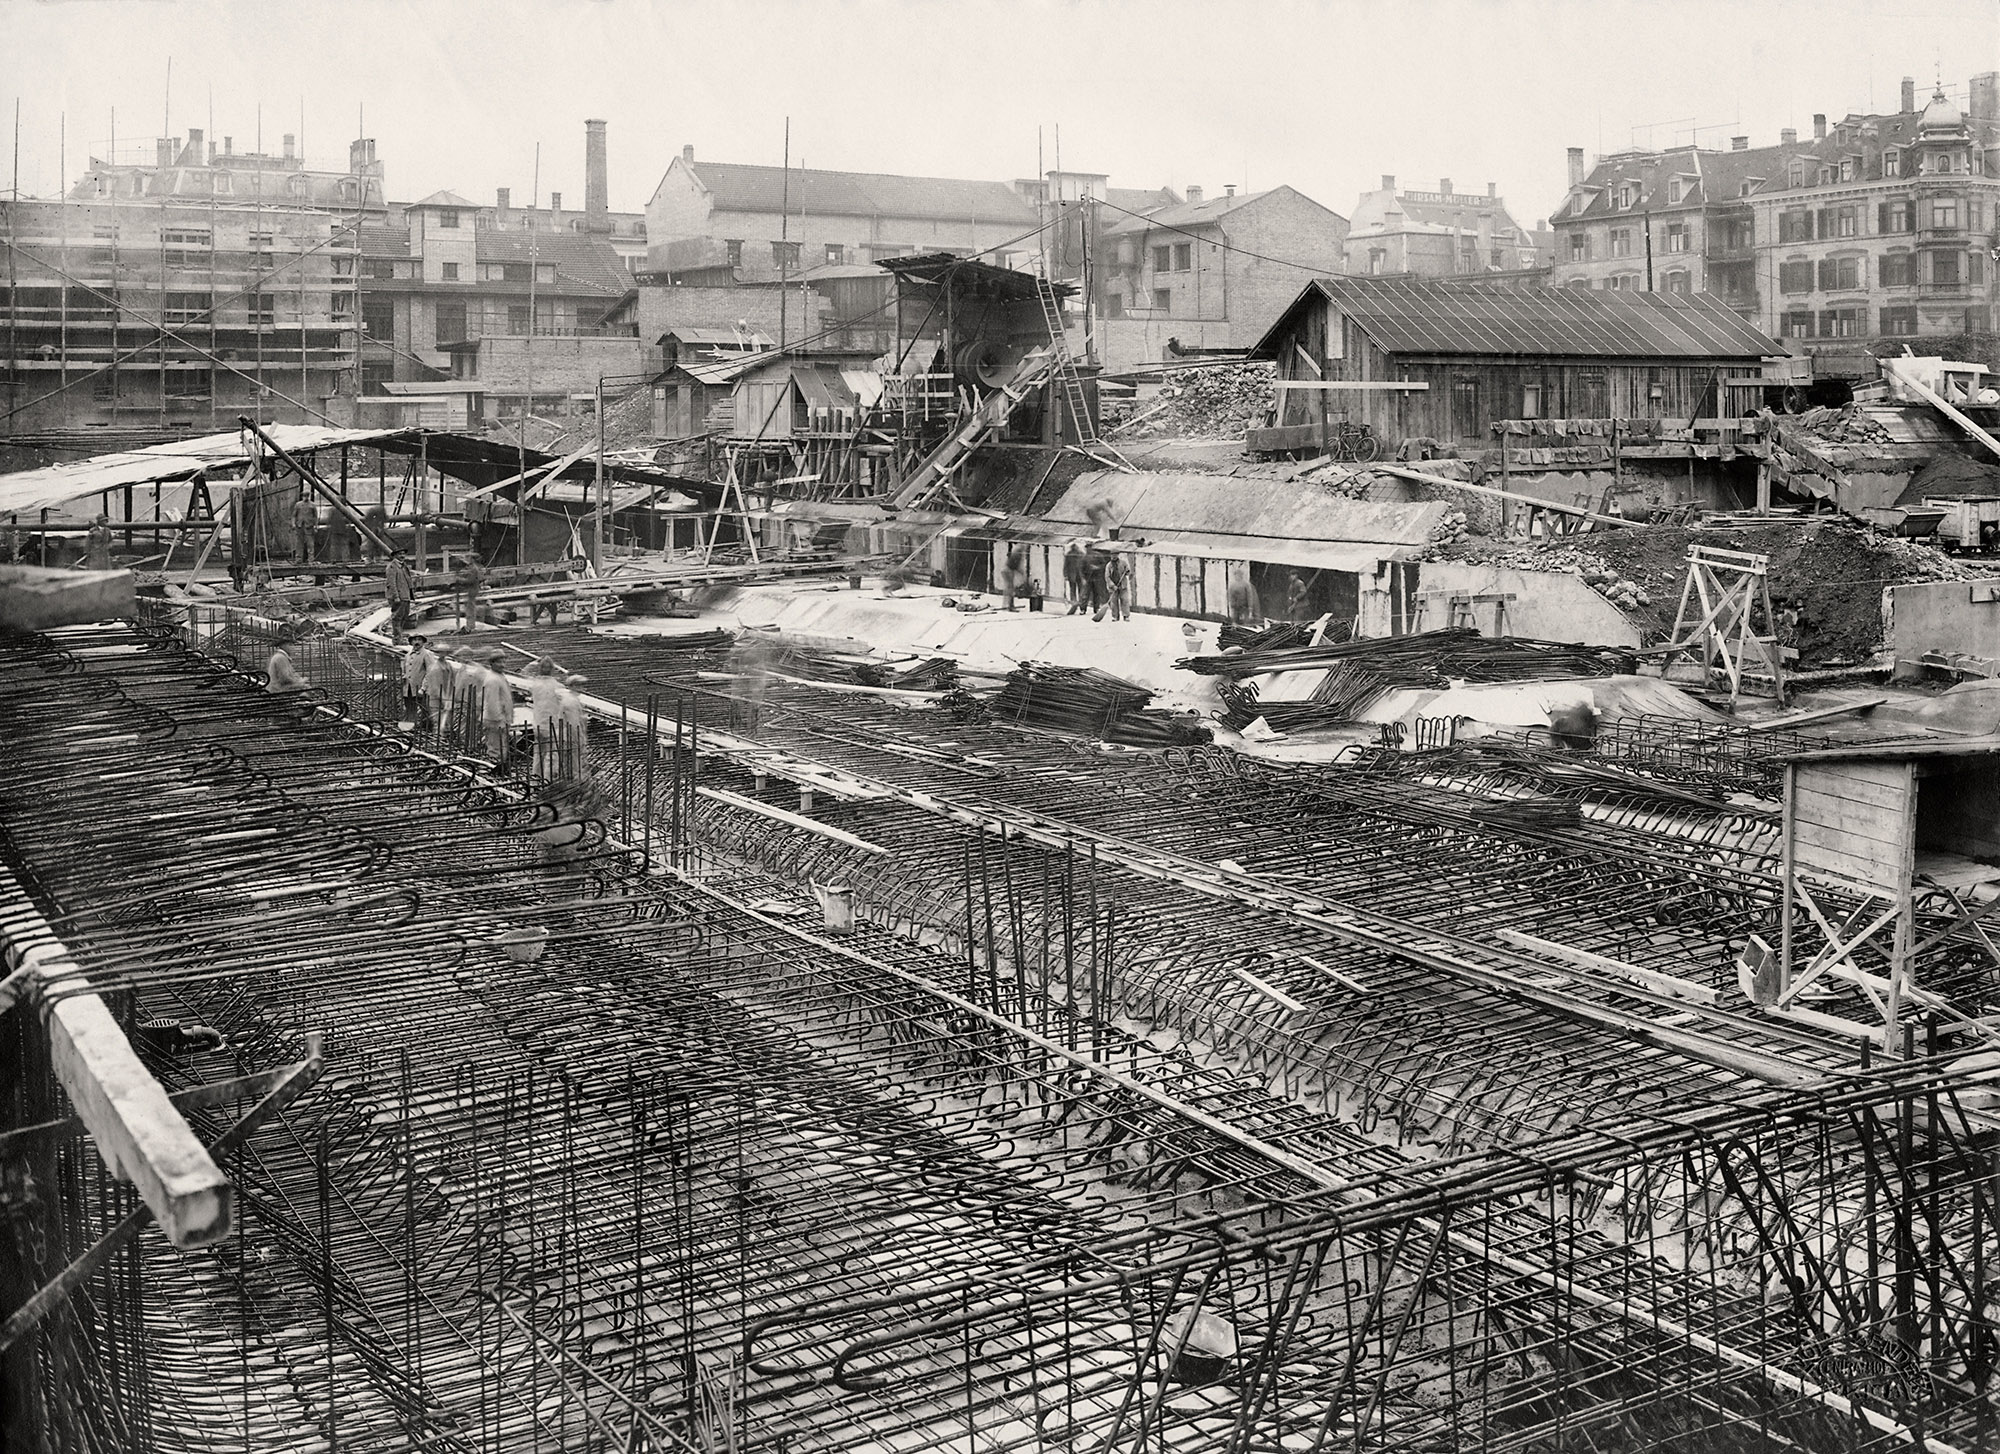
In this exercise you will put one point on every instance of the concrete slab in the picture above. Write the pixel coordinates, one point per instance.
(34, 598)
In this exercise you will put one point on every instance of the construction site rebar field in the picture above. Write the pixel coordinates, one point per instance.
(840, 1077)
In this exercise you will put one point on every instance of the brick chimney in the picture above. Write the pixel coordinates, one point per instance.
(291, 144)
(192, 154)
(555, 207)
(1229, 189)
(1983, 96)
(1788, 137)
(1493, 191)
(1388, 182)
(1444, 185)
(1576, 166)
(596, 180)
(1909, 93)
(1819, 126)
(687, 153)
(163, 151)
(1739, 143)
(503, 198)
(1194, 194)
(229, 146)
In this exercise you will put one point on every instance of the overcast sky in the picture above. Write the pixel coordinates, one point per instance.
(1323, 96)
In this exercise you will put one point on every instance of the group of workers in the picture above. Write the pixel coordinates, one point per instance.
(1097, 580)
(462, 692)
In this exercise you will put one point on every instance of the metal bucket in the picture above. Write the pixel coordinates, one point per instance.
(836, 907)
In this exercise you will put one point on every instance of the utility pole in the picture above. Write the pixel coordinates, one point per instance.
(597, 494)
(528, 404)
(784, 232)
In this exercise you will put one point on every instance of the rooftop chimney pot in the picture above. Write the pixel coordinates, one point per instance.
(1819, 126)
(1194, 194)
(1229, 189)
(1909, 93)
(1739, 143)
(555, 201)
(1444, 185)
(229, 146)
(1388, 182)
(1788, 137)
(687, 152)
(163, 151)
(1576, 166)
(503, 197)
(290, 142)
(1493, 191)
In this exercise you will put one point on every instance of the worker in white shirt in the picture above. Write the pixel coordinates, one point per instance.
(416, 672)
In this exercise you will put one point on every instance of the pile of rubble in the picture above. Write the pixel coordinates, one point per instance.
(1849, 424)
(1221, 401)
(1597, 572)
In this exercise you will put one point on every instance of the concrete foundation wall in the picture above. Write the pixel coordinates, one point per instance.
(1948, 618)
(1545, 605)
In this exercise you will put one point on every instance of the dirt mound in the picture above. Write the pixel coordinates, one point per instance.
(1830, 572)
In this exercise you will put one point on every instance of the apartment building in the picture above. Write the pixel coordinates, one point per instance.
(1440, 234)
(1882, 225)
(1209, 273)
(172, 313)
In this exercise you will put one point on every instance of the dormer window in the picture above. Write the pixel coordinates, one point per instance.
(1675, 190)
(1825, 175)
(1847, 169)
(1892, 162)
(1795, 176)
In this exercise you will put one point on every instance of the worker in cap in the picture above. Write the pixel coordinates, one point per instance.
(573, 729)
(97, 544)
(305, 525)
(398, 591)
(280, 676)
(496, 710)
(416, 666)
(545, 714)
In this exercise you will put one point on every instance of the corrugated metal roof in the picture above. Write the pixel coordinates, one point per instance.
(44, 489)
(1223, 511)
(739, 188)
(1404, 316)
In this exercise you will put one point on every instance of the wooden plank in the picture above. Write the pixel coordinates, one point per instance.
(34, 599)
(1843, 840)
(1847, 867)
(1333, 385)
(1860, 820)
(1530, 500)
(135, 1127)
(1813, 778)
(1818, 714)
(1665, 984)
(794, 820)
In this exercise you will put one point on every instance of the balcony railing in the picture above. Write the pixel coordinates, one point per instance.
(1945, 290)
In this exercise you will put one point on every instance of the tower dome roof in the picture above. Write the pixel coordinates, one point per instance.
(1940, 115)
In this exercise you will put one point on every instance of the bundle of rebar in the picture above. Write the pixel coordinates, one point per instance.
(1091, 703)
(1426, 659)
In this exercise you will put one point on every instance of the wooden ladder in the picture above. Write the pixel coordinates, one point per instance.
(1065, 364)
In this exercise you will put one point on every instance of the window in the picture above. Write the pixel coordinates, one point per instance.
(1676, 283)
(1979, 319)
(1846, 222)
(104, 232)
(785, 254)
(1825, 175)
(450, 323)
(1626, 282)
(1892, 162)
(1579, 247)
(1795, 227)
(1466, 422)
(263, 309)
(187, 237)
(1621, 242)
(1795, 325)
(735, 247)
(374, 376)
(517, 319)
(1944, 213)
(1531, 401)
(836, 253)
(1677, 237)
(1838, 322)
(1847, 169)
(1900, 321)
(1163, 299)
(1975, 214)
(1944, 269)
(1975, 267)
(1795, 175)
(1183, 257)
(378, 317)
(1795, 277)
(448, 271)
(383, 271)
(343, 267)
(343, 307)
(1896, 270)
(1163, 259)
(1893, 217)
(1676, 189)
(448, 219)
(1378, 258)
(187, 307)
(516, 272)
(190, 385)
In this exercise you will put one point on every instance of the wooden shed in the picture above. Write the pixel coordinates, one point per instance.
(1888, 849)
(1418, 359)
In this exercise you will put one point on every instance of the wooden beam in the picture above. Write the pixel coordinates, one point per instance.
(1355, 384)
(133, 1124)
(1664, 984)
(1440, 480)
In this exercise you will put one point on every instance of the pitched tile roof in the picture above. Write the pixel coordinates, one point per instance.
(740, 188)
(1412, 317)
(578, 257)
(1187, 214)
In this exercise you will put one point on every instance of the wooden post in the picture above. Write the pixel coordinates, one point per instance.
(1505, 484)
